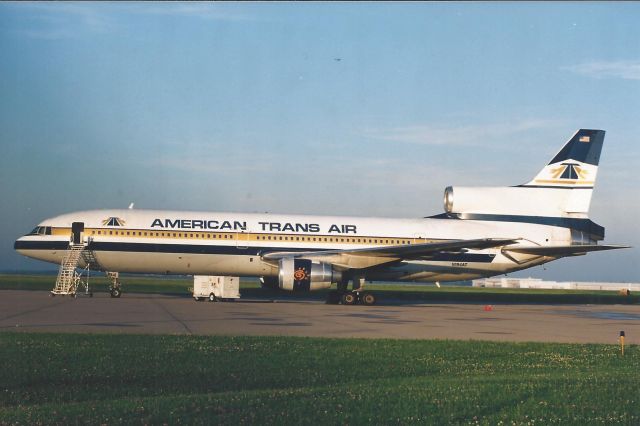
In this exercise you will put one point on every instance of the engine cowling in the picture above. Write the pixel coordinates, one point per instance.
(515, 200)
(305, 275)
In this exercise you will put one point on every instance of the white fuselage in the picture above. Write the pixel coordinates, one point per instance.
(203, 243)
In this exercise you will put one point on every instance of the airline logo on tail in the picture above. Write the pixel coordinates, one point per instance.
(571, 171)
(566, 173)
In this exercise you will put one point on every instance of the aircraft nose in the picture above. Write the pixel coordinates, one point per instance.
(18, 245)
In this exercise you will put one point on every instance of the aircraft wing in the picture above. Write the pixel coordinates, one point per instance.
(373, 256)
(562, 251)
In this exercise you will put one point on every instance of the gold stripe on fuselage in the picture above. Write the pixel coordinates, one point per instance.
(242, 236)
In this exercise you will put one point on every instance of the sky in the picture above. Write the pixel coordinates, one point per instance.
(365, 109)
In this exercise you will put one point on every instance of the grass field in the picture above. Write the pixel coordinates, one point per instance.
(427, 293)
(99, 283)
(124, 379)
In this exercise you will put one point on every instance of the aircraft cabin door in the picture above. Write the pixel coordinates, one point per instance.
(77, 229)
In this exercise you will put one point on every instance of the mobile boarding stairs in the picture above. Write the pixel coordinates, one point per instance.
(75, 270)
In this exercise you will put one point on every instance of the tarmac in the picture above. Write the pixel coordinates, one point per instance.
(35, 311)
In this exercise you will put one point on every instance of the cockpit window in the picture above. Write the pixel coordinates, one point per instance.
(41, 230)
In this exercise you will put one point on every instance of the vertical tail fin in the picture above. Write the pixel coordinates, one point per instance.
(576, 165)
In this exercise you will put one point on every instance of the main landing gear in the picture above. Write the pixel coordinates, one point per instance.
(353, 297)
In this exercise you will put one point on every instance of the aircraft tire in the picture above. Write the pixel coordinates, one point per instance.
(368, 298)
(349, 299)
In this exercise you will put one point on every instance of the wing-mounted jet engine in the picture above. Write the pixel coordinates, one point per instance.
(296, 274)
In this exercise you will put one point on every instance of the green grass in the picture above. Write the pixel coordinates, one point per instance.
(428, 293)
(99, 283)
(116, 379)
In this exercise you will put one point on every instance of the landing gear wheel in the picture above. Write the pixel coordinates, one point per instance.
(212, 297)
(367, 298)
(349, 299)
(115, 292)
(333, 298)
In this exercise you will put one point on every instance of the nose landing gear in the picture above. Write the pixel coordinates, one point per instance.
(114, 289)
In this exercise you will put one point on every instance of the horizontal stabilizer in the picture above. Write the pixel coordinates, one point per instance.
(561, 251)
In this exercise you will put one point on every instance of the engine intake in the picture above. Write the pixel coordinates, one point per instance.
(305, 275)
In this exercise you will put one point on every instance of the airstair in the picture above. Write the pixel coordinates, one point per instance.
(68, 279)
(90, 260)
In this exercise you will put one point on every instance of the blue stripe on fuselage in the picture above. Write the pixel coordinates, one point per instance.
(584, 225)
(219, 249)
